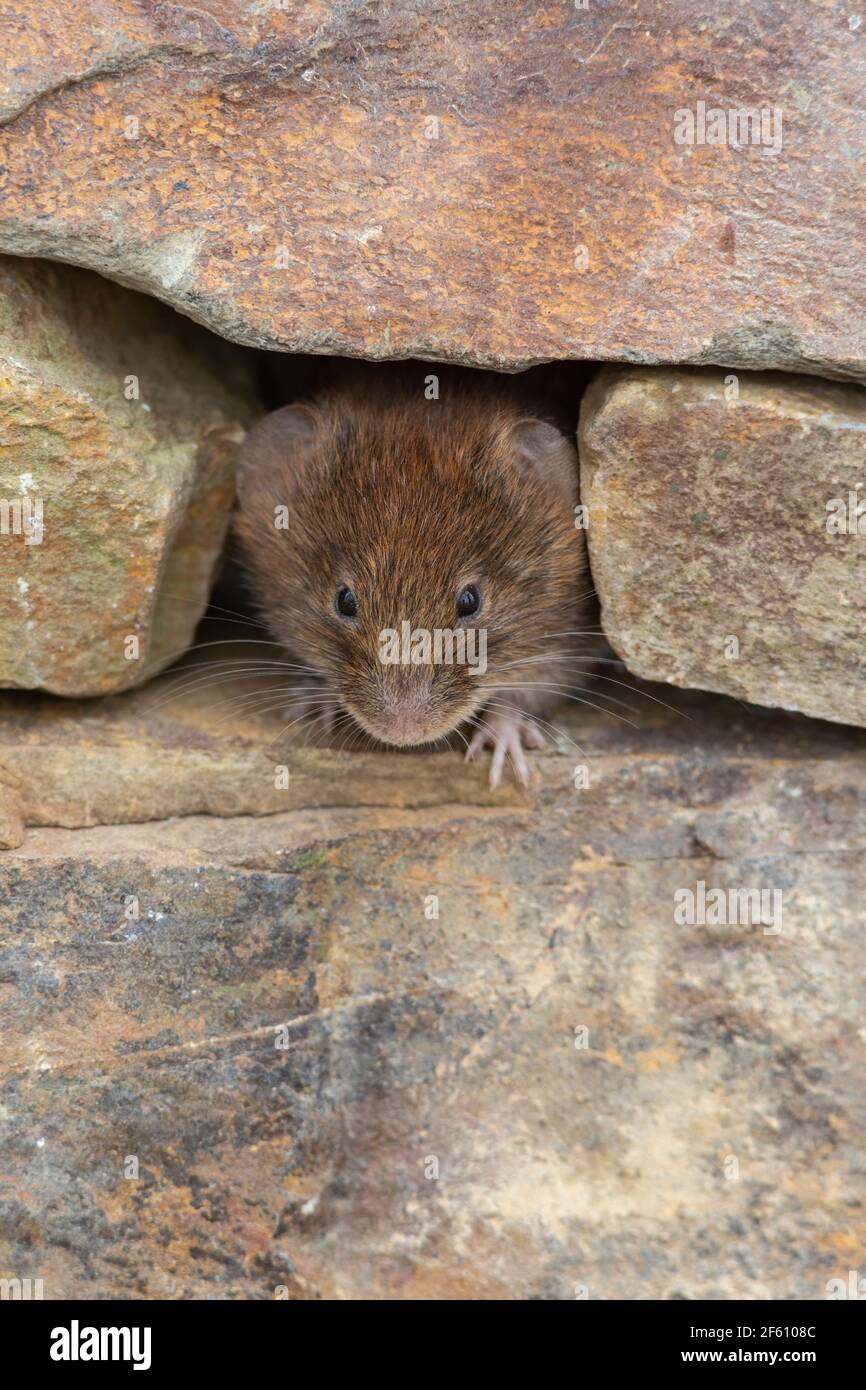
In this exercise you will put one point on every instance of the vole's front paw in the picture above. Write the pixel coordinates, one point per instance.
(507, 732)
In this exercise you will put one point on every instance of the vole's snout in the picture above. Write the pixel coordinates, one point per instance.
(405, 716)
(400, 708)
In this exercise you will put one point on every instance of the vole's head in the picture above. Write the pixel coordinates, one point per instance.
(410, 549)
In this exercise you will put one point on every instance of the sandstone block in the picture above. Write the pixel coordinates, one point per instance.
(119, 422)
(330, 1090)
(494, 184)
(725, 536)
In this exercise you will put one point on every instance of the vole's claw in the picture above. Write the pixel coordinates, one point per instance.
(507, 733)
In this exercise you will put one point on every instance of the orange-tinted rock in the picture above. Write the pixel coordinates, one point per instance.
(727, 532)
(412, 1045)
(119, 422)
(496, 184)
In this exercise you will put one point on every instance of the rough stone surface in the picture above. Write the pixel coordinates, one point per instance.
(194, 742)
(134, 493)
(714, 523)
(411, 1038)
(275, 172)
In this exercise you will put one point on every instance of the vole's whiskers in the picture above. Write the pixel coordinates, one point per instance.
(191, 681)
(447, 737)
(214, 608)
(229, 670)
(560, 687)
(230, 642)
(351, 732)
(250, 704)
(530, 660)
(325, 712)
(328, 718)
(543, 685)
(594, 676)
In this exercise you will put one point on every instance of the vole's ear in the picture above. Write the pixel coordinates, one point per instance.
(278, 446)
(542, 452)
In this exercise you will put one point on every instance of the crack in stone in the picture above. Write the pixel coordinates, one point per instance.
(266, 1030)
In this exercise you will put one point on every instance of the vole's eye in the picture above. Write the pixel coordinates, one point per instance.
(346, 603)
(469, 602)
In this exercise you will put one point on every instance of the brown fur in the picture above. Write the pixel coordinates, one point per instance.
(406, 501)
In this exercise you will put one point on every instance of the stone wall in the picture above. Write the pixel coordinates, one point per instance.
(727, 532)
(495, 184)
(545, 1088)
(119, 422)
(373, 1030)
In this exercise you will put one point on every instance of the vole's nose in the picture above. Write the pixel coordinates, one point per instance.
(405, 718)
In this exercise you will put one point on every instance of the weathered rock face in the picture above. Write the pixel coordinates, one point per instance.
(497, 184)
(119, 421)
(182, 748)
(725, 535)
(249, 1054)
